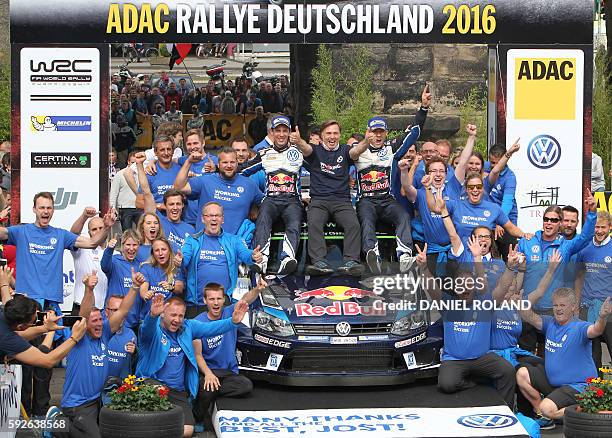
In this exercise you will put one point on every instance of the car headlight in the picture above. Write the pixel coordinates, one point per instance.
(271, 324)
(410, 322)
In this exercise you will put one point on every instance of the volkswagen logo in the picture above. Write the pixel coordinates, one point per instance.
(544, 151)
(343, 328)
(487, 421)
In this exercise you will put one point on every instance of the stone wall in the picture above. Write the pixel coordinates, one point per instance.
(402, 72)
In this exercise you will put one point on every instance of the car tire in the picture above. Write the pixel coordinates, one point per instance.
(126, 424)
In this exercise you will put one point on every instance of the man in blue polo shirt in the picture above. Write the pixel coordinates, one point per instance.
(594, 280)
(175, 229)
(236, 193)
(216, 355)
(88, 363)
(167, 170)
(568, 360)
(166, 345)
(537, 251)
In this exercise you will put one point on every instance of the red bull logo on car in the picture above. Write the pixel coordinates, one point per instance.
(342, 306)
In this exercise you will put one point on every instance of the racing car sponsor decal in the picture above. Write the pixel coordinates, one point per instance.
(335, 293)
(374, 338)
(338, 308)
(410, 360)
(274, 361)
(314, 338)
(270, 341)
(343, 340)
(410, 341)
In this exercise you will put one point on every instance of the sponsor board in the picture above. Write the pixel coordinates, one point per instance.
(410, 341)
(545, 109)
(60, 160)
(60, 123)
(271, 341)
(488, 421)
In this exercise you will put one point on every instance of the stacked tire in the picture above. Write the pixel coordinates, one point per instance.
(577, 424)
(126, 424)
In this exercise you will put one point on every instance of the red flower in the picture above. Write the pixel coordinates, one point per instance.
(121, 389)
(163, 391)
(590, 379)
(599, 392)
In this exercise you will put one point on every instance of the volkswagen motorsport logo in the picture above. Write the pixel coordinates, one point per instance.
(343, 328)
(544, 151)
(487, 421)
(60, 160)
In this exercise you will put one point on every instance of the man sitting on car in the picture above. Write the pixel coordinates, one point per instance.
(216, 355)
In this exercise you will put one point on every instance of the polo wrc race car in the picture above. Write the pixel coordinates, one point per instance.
(335, 330)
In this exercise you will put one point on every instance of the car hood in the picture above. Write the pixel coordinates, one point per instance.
(331, 299)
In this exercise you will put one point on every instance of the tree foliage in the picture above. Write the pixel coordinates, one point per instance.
(5, 103)
(602, 108)
(342, 88)
(473, 110)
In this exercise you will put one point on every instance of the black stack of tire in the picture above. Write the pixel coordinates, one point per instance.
(126, 424)
(582, 425)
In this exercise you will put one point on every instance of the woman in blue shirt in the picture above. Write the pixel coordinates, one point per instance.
(161, 275)
(149, 228)
(118, 270)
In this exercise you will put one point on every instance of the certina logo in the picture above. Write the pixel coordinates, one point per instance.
(487, 421)
(63, 199)
(60, 160)
(61, 70)
(60, 123)
(544, 151)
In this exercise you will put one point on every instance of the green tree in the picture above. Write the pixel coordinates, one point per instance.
(342, 88)
(602, 108)
(5, 102)
(473, 110)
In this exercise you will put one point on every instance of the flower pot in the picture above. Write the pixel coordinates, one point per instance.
(127, 424)
(578, 424)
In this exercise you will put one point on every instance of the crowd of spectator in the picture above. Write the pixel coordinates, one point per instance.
(161, 280)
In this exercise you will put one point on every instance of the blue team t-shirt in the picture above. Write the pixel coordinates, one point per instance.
(163, 181)
(87, 369)
(212, 265)
(467, 333)
(119, 274)
(505, 185)
(494, 268)
(176, 232)
(467, 216)
(598, 276)
(192, 215)
(505, 329)
(235, 195)
(173, 371)
(119, 360)
(40, 256)
(433, 225)
(567, 344)
(154, 275)
(220, 351)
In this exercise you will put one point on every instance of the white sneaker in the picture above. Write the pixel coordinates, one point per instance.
(287, 266)
(406, 261)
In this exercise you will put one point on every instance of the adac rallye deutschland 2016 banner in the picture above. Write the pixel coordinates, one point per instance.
(444, 21)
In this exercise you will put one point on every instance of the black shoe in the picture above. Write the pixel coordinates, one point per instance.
(373, 262)
(288, 266)
(351, 268)
(319, 268)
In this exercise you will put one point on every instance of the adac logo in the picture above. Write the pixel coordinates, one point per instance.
(60, 123)
(487, 421)
(336, 293)
(281, 178)
(373, 176)
(544, 151)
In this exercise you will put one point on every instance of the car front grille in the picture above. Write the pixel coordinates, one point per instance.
(383, 328)
(342, 360)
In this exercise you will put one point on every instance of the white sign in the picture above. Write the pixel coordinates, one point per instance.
(10, 398)
(545, 99)
(489, 421)
(60, 135)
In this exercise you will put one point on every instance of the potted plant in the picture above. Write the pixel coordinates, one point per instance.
(592, 416)
(138, 409)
